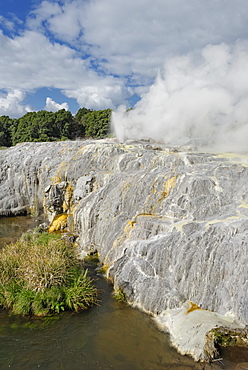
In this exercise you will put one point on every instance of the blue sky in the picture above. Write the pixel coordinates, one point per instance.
(103, 53)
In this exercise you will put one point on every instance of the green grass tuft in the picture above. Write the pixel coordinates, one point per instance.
(41, 274)
(119, 295)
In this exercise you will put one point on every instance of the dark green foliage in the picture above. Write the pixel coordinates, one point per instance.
(49, 126)
(5, 130)
(43, 126)
(41, 274)
(95, 123)
(82, 113)
(33, 126)
(63, 124)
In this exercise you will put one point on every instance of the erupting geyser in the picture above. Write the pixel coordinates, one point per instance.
(199, 100)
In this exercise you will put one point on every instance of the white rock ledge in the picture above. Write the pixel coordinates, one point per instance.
(169, 224)
(188, 327)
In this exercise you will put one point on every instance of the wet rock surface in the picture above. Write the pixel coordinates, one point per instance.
(169, 225)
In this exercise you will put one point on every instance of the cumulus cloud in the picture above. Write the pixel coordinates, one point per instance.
(134, 38)
(52, 106)
(101, 95)
(198, 101)
(99, 52)
(62, 20)
(30, 61)
(11, 104)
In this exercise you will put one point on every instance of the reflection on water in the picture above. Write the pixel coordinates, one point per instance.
(12, 227)
(109, 336)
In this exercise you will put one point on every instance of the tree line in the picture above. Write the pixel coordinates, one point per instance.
(54, 126)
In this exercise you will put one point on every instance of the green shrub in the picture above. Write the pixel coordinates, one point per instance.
(40, 274)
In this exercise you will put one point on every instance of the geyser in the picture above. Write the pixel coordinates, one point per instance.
(199, 100)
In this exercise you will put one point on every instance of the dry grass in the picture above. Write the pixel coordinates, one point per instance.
(40, 274)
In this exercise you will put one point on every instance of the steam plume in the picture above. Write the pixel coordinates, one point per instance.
(200, 101)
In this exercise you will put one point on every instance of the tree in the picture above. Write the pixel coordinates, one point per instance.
(81, 114)
(95, 123)
(50, 126)
(44, 126)
(5, 130)
(98, 123)
(80, 118)
(33, 126)
(64, 124)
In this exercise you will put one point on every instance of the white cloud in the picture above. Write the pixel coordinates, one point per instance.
(61, 20)
(94, 50)
(199, 102)
(10, 23)
(6, 23)
(52, 106)
(101, 95)
(128, 37)
(31, 61)
(45, 11)
(11, 104)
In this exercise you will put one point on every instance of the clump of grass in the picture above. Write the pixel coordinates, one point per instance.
(119, 295)
(41, 274)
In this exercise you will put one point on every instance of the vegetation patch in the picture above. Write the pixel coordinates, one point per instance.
(222, 336)
(44, 126)
(41, 274)
(92, 258)
(119, 295)
(103, 269)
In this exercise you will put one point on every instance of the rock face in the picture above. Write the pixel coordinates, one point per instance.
(170, 225)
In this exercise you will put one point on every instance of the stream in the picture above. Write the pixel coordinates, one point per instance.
(111, 335)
